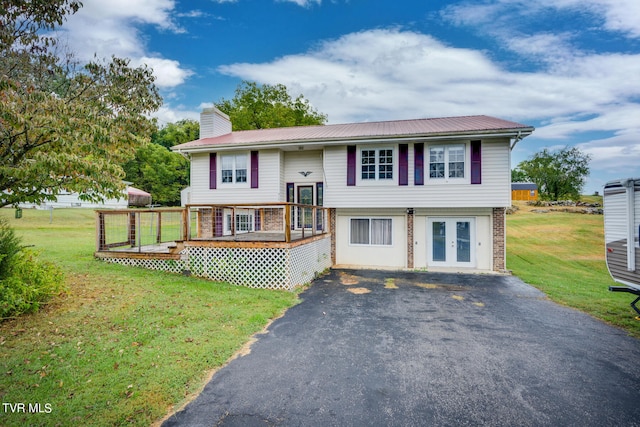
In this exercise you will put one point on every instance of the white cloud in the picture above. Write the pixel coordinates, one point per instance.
(169, 113)
(621, 15)
(503, 16)
(303, 3)
(167, 71)
(394, 74)
(106, 28)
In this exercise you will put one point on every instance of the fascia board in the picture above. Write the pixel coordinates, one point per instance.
(522, 132)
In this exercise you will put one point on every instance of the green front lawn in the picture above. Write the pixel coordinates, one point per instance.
(125, 345)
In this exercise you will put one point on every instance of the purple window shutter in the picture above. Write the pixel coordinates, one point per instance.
(403, 175)
(418, 173)
(254, 169)
(351, 165)
(290, 199)
(212, 171)
(290, 190)
(476, 162)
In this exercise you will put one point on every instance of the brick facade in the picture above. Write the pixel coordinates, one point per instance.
(410, 217)
(499, 240)
(332, 230)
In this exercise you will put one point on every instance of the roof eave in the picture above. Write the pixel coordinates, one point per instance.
(501, 133)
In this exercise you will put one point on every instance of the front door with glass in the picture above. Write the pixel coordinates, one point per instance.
(305, 216)
(451, 242)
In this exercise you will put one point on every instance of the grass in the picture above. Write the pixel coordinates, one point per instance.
(124, 345)
(563, 255)
(127, 345)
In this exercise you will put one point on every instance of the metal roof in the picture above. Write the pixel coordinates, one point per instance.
(447, 126)
(524, 186)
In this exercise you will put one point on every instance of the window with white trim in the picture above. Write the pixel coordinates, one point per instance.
(234, 168)
(447, 161)
(244, 223)
(371, 231)
(376, 163)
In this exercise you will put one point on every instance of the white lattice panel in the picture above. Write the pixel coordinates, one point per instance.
(306, 261)
(265, 268)
(171, 266)
(253, 267)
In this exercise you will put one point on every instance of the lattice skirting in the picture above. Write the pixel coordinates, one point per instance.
(266, 268)
(169, 265)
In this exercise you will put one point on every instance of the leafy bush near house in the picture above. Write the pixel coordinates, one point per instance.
(25, 281)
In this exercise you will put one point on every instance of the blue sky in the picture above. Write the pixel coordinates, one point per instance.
(571, 68)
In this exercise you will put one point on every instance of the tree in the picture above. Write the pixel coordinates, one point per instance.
(64, 126)
(160, 171)
(176, 133)
(559, 174)
(517, 175)
(268, 106)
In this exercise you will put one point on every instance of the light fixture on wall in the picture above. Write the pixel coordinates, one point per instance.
(305, 173)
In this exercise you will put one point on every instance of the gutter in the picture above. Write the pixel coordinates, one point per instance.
(357, 140)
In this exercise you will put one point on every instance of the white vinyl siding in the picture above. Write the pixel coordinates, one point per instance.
(269, 170)
(495, 190)
(303, 161)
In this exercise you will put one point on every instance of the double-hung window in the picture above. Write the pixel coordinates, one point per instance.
(234, 168)
(371, 231)
(447, 161)
(376, 164)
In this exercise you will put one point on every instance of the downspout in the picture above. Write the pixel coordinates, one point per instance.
(517, 139)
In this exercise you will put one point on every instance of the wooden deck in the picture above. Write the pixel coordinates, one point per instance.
(260, 236)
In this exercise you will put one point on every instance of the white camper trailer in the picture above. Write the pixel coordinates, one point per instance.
(622, 235)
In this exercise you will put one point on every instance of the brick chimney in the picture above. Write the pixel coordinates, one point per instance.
(214, 122)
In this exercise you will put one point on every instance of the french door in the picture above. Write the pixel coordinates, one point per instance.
(451, 242)
(305, 197)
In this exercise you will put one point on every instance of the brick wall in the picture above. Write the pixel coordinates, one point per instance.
(499, 240)
(332, 230)
(272, 219)
(410, 217)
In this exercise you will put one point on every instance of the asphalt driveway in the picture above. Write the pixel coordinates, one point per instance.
(420, 349)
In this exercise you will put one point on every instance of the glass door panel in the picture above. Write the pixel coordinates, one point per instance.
(463, 241)
(439, 245)
(451, 242)
(305, 197)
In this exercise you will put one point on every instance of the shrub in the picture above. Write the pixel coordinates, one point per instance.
(25, 281)
(10, 245)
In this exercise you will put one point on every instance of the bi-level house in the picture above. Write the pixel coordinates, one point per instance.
(415, 194)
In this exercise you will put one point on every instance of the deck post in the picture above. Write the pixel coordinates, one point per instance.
(314, 220)
(159, 231)
(185, 223)
(287, 223)
(139, 232)
(100, 237)
(233, 221)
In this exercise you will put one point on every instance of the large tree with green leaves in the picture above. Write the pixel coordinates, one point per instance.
(160, 171)
(65, 126)
(558, 174)
(268, 106)
(176, 133)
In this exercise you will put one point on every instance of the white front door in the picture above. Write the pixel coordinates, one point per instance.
(451, 242)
